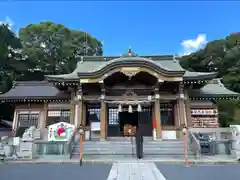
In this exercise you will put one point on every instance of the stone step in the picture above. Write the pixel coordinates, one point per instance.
(129, 156)
(123, 143)
(128, 146)
(130, 150)
(129, 140)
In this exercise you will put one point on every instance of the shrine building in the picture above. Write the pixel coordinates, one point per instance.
(106, 93)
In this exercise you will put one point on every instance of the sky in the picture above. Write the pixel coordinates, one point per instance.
(148, 27)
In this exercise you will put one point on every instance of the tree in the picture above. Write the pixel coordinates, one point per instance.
(9, 55)
(222, 56)
(53, 48)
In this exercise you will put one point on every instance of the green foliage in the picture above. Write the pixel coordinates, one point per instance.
(52, 48)
(44, 48)
(222, 56)
(226, 110)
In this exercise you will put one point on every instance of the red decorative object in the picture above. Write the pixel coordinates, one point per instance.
(154, 124)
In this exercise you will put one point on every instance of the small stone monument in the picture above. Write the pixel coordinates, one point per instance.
(26, 147)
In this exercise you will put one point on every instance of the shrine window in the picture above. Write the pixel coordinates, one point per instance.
(93, 113)
(167, 117)
(113, 117)
(56, 116)
(28, 119)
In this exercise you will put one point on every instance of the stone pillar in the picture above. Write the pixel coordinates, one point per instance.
(158, 115)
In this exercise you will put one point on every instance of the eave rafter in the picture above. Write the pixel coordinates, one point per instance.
(215, 98)
(32, 100)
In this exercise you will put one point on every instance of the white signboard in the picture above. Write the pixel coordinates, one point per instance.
(60, 131)
(95, 126)
(204, 112)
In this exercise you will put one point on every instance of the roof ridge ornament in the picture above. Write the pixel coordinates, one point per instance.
(130, 53)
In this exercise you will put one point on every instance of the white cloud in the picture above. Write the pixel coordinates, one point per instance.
(8, 21)
(192, 45)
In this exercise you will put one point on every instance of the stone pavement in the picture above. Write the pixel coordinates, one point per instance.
(135, 171)
(120, 171)
(56, 159)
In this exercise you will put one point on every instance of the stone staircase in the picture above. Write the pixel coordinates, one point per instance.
(126, 147)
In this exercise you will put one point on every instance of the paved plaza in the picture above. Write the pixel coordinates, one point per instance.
(119, 171)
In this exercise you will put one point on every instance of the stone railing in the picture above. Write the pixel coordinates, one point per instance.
(72, 142)
(42, 148)
(235, 141)
(194, 144)
(32, 146)
(211, 141)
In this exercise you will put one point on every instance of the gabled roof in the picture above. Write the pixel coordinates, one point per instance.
(33, 90)
(213, 89)
(88, 65)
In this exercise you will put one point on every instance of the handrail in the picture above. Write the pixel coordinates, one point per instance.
(194, 144)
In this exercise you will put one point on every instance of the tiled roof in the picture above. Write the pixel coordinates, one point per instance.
(213, 89)
(34, 90)
(91, 64)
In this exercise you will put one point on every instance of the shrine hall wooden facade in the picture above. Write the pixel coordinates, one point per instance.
(105, 93)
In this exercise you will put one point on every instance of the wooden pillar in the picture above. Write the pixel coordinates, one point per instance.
(181, 102)
(72, 110)
(45, 115)
(176, 114)
(153, 114)
(103, 114)
(103, 121)
(43, 120)
(158, 116)
(80, 112)
(84, 113)
(188, 110)
(80, 105)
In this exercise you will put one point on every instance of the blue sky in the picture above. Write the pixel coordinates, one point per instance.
(156, 27)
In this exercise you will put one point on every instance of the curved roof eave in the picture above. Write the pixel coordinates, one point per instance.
(130, 61)
(63, 77)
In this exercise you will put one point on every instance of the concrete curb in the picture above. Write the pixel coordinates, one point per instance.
(110, 161)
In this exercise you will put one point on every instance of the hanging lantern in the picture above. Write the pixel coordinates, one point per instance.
(119, 108)
(139, 109)
(130, 109)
